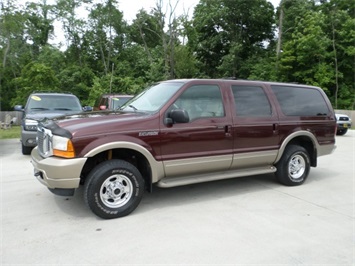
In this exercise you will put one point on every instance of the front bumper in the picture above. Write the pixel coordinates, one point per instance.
(57, 173)
(28, 138)
(343, 125)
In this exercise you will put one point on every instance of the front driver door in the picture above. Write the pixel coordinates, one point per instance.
(205, 143)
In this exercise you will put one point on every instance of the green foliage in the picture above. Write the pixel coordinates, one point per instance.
(224, 38)
(229, 32)
(34, 77)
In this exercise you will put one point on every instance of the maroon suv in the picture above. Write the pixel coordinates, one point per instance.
(180, 132)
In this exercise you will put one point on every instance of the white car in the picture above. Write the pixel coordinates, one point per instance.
(343, 123)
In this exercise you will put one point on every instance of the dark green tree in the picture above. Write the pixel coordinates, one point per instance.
(229, 32)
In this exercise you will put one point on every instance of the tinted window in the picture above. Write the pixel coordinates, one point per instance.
(201, 101)
(251, 101)
(298, 101)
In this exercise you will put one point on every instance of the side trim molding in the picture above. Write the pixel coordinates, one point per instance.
(200, 178)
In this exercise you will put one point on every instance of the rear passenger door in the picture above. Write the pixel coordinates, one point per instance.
(204, 143)
(255, 127)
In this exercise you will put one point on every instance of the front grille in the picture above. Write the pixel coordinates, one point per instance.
(44, 141)
(343, 118)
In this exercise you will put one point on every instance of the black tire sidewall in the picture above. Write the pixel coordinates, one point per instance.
(99, 175)
(342, 132)
(283, 174)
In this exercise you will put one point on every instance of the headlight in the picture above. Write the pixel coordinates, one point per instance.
(30, 125)
(63, 147)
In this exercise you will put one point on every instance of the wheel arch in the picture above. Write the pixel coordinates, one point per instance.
(133, 153)
(304, 139)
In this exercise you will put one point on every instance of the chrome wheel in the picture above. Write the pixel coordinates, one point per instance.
(116, 191)
(297, 166)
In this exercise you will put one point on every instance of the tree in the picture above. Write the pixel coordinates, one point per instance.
(39, 24)
(34, 77)
(14, 51)
(107, 33)
(305, 58)
(340, 25)
(229, 32)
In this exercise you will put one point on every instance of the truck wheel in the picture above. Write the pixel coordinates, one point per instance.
(294, 166)
(26, 150)
(113, 189)
(342, 132)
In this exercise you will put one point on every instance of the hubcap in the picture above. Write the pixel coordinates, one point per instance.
(296, 167)
(116, 191)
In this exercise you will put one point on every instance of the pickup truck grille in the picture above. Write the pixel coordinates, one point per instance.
(343, 118)
(44, 142)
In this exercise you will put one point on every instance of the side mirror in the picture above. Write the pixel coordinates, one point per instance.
(102, 107)
(179, 116)
(18, 108)
(87, 108)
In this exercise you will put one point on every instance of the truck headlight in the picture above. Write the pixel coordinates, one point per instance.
(30, 125)
(62, 147)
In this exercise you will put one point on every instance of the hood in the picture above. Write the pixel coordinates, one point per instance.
(103, 122)
(42, 115)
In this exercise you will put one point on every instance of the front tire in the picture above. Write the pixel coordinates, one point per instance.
(26, 150)
(294, 166)
(113, 189)
(342, 132)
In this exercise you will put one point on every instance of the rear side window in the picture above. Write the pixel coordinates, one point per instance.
(251, 101)
(298, 101)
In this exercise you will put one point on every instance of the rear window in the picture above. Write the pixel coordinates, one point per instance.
(299, 101)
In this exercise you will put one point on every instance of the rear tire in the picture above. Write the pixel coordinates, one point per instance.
(294, 166)
(113, 189)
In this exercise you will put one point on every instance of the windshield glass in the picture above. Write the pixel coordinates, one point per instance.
(53, 103)
(153, 98)
(117, 102)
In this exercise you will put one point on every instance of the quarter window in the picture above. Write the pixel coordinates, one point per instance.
(251, 101)
(298, 101)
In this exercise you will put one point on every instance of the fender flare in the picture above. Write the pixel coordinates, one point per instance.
(294, 135)
(157, 167)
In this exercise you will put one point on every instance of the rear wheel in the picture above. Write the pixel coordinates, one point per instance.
(113, 189)
(293, 167)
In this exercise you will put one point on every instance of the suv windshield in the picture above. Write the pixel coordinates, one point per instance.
(53, 103)
(153, 98)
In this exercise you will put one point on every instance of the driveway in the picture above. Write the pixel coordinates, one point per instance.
(243, 221)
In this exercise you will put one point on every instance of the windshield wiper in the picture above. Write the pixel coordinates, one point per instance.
(134, 108)
(64, 109)
(39, 108)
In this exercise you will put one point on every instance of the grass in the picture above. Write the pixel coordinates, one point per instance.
(11, 133)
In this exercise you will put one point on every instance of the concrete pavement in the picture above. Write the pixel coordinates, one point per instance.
(252, 220)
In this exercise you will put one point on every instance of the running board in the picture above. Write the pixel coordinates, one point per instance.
(207, 177)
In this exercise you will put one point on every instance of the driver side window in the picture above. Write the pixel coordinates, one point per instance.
(201, 101)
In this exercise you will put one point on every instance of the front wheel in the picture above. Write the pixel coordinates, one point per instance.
(26, 150)
(293, 167)
(113, 189)
(342, 132)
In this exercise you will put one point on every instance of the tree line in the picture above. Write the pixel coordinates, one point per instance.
(303, 41)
